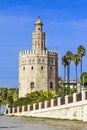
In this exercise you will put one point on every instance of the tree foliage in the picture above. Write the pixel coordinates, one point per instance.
(81, 52)
(76, 58)
(83, 79)
(66, 91)
(35, 97)
(8, 95)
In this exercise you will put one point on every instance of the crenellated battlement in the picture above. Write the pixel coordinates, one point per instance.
(51, 52)
(26, 52)
(31, 52)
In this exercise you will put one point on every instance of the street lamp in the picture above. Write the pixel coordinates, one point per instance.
(82, 87)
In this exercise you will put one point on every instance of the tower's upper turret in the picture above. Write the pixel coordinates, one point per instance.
(38, 37)
(38, 24)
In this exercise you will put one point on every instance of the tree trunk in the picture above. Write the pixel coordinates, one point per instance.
(64, 74)
(76, 77)
(67, 74)
(81, 66)
(64, 77)
(69, 78)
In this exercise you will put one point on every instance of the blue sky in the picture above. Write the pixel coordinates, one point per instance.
(65, 24)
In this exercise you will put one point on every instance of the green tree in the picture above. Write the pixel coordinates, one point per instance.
(4, 93)
(48, 95)
(10, 100)
(73, 90)
(13, 92)
(8, 95)
(81, 51)
(34, 97)
(15, 95)
(76, 60)
(1, 100)
(21, 102)
(67, 91)
(83, 79)
(60, 86)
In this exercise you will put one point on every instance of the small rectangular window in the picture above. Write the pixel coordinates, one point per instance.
(52, 61)
(23, 68)
(50, 67)
(38, 28)
(41, 67)
(32, 67)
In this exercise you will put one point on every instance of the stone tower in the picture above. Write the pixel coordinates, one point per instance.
(38, 68)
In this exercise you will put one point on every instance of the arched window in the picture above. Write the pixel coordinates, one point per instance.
(32, 85)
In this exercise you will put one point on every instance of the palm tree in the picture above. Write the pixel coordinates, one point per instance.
(64, 63)
(4, 93)
(76, 60)
(81, 51)
(69, 56)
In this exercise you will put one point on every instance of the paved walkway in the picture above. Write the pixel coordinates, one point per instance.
(25, 123)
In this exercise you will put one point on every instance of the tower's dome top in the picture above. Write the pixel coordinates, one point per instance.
(38, 22)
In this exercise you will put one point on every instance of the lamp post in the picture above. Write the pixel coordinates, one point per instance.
(83, 81)
(82, 87)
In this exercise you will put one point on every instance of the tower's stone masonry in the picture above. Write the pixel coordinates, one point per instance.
(38, 68)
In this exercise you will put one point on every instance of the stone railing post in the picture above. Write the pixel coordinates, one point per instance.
(39, 105)
(13, 110)
(74, 97)
(34, 105)
(8, 110)
(46, 104)
(59, 103)
(17, 109)
(66, 99)
(83, 95)
(28, 107)
(52, 102)
(23, 108)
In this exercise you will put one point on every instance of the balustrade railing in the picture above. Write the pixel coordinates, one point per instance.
(52, 103)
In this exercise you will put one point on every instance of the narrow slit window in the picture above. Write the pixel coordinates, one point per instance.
(32, 68)
(41, 67)
(23, 68)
